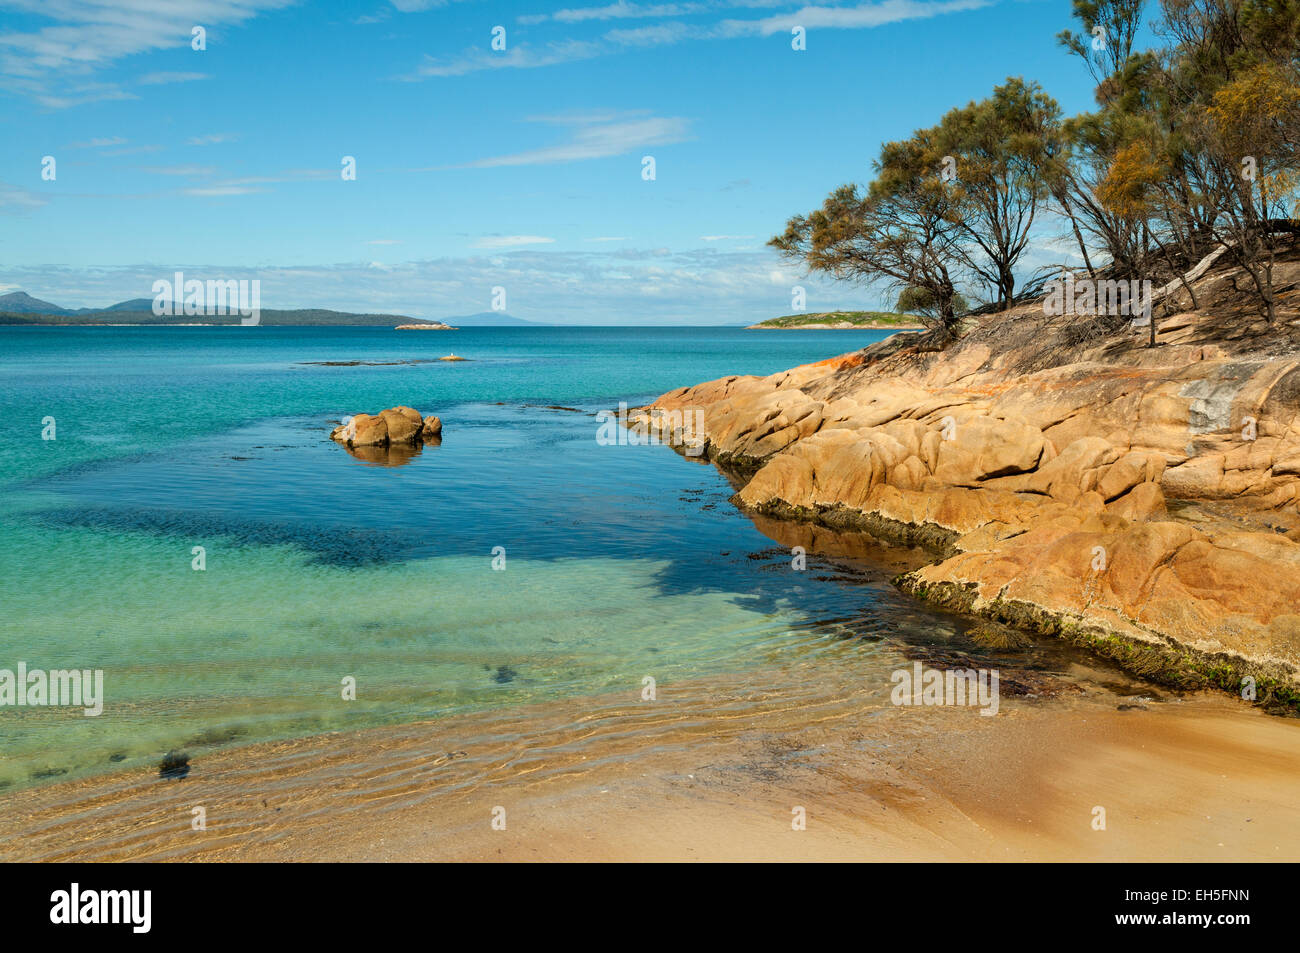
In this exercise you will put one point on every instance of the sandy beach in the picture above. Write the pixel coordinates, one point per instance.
(715, 771)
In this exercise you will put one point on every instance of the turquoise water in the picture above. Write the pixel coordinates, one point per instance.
(620, 562)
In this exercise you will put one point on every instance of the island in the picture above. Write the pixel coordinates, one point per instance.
(841, 321)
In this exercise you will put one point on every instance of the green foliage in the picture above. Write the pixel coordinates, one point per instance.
(915, 300)
(864, 319)
(1109, 29)
(951, 203)
(1194, 145)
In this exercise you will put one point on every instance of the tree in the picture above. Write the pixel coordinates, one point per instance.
(1109, 29)
(1234, 76)
(1007, 152)
(1250, 129)
(1093, 140)
(902, 230)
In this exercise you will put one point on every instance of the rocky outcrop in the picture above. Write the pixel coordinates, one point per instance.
(395, 426)
(1140, 501)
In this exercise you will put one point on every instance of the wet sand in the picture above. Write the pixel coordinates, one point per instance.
(712, 771)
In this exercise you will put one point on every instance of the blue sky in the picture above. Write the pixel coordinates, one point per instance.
(476, 168)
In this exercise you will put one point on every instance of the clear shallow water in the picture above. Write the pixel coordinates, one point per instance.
(621, 562)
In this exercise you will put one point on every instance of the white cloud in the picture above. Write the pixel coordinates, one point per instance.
(515, 57)
(607, 286)
(244, 185)
(161, 79)
(216, 191)
(87, 35)
(619, 11)
(72, 95)
(98, 143)
(570, 50)
(211, 139)
(597, 140)
(131, 150)
(662, 35)
(723, 238)
(511, 241)
(188, 170)
(864, 16)
(14, 198)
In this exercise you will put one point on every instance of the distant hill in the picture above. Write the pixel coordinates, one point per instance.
(20, 302)
(135, 304)
(271, 317)
(18, 307)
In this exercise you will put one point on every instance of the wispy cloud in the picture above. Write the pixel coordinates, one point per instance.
(672, 32)
(606, 286)
(223, 190)
(211, 139)
(864, 16)
(51, 63)
(14, 198)
(516, 57)
(196, 171)
(99, 143)
(162, 79)
(131, 150)
(253, 184)
(511, 241)
(596, 136)
(619, 11)
(723, 238)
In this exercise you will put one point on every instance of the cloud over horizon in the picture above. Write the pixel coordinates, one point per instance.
(624, 287)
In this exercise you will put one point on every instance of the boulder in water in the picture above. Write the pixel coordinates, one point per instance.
(393, 427)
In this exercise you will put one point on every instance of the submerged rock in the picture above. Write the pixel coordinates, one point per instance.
(175, 764)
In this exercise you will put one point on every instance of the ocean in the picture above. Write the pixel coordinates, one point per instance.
(191, 532)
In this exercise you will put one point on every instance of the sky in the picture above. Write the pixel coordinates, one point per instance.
(476, 168)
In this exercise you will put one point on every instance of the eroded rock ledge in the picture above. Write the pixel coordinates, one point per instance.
(1138, 501)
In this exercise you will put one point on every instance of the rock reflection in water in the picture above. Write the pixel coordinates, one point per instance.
(392, 455)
